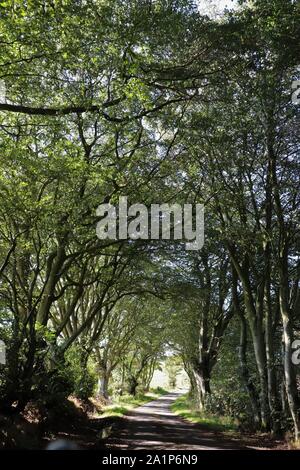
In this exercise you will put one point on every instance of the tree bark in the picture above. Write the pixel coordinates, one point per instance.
(103, 382)
(245, 374)
(253, 396)
(201, 375)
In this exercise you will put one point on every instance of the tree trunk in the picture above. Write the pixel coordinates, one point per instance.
(201, 375)
(284, 295)
(253, 396)
(271, 373)
(254, 310)
(246, 374)
(103, 385)
(133, 384)
(269, 324)
(260, 355)
(188, 369)
(289, 371)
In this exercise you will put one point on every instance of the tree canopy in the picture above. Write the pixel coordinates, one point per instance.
(157, 102)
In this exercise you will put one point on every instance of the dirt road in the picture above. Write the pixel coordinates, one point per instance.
(154, 426)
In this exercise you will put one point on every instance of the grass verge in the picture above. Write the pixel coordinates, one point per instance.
(184, 407)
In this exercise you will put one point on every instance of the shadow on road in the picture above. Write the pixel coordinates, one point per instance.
(154, 426)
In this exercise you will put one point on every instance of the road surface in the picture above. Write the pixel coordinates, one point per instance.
(154, 427)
